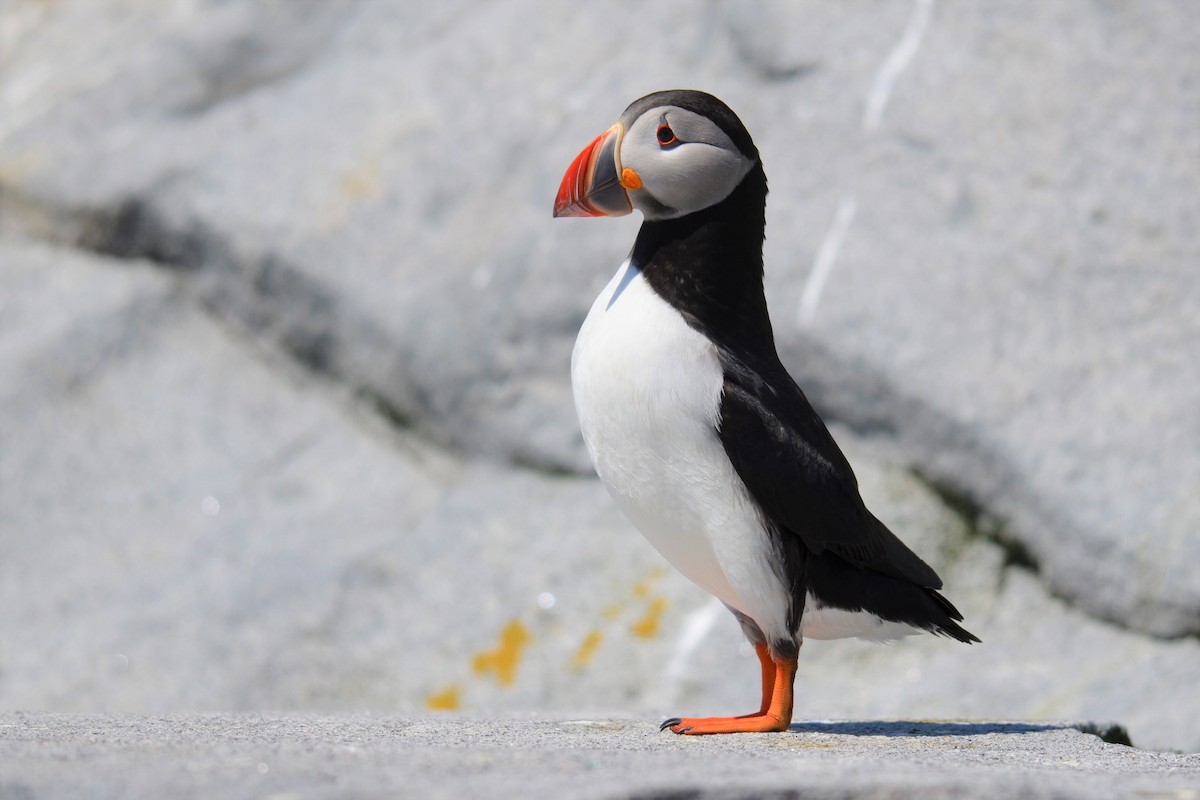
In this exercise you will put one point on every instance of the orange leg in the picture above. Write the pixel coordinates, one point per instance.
(768, 680)
(774, 715)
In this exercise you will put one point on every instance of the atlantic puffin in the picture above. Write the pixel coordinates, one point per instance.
(694, 425)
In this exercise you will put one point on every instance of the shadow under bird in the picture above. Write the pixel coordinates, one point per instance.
(698, 432)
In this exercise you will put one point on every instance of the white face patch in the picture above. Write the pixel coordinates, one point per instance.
(698, 168)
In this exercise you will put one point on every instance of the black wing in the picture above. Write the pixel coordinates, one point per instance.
(793, 468)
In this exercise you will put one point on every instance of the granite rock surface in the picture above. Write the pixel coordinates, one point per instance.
(59, 756)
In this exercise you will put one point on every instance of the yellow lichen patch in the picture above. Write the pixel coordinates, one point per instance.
(611, 611)
(502, 660)
(647, 626)
(448, 699)
(642, 589)
(363, 182)
(587, 650)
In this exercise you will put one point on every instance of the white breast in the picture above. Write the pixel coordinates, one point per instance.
(648, 390)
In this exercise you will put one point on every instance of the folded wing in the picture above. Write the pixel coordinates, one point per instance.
(791, 465)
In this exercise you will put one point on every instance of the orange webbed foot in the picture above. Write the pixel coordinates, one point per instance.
(774, 715)
(702, 726)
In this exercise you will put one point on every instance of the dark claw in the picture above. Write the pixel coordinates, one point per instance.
(682, 731)
(669, 723)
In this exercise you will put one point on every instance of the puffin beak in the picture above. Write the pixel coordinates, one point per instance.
(593, 185)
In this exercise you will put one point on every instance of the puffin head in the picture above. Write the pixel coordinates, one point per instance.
(670, 154)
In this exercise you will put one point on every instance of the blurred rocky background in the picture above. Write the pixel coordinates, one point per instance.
(285, 416)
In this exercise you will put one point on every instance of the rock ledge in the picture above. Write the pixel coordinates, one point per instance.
(295, 756)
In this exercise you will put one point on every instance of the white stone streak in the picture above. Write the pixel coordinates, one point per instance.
(877, 99)
(897, 61)
(826, 256)
(696, 629)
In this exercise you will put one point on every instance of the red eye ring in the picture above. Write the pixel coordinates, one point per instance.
(666, 137)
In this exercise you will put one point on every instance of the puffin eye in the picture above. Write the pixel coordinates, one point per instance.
(666, 136)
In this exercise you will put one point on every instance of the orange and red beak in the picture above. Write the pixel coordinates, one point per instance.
(595, 183)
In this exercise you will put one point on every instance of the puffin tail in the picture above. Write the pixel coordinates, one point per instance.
(946, 623)
(835, 582)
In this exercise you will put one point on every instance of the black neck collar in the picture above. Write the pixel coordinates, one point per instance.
(708, 265)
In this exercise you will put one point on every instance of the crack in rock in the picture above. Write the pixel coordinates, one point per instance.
(263, 295)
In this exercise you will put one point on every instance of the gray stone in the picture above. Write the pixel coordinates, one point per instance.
(1021, 266)
(174, 506)
(52, 756)
(1014, 296)
(187, 522)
